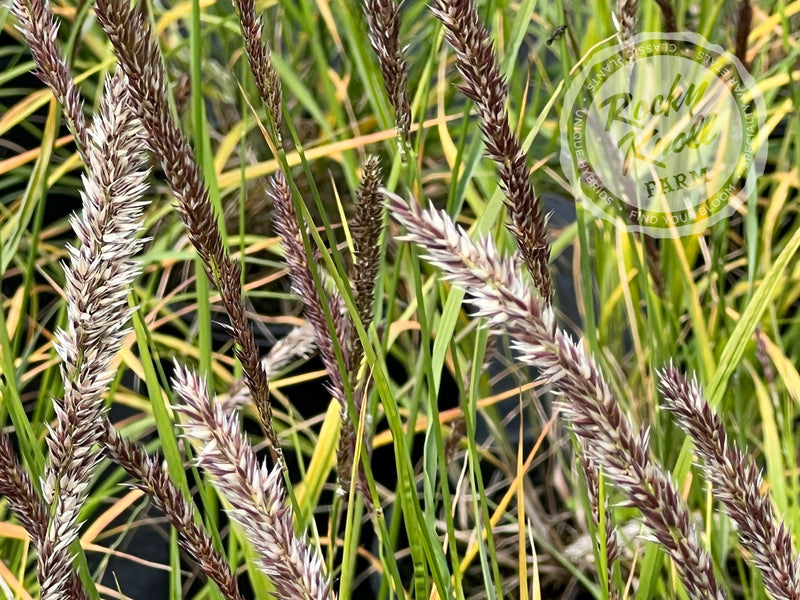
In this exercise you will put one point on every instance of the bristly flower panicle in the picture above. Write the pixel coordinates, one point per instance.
(98, 279)
(40, 30)
(737, 484)
(98, 276)
(140, 58)
(626, 17)
(153, 479)
(485, 85)
(499, 293)
(287, 226)
(366, 228)
(256, 494)
(259, 57)
(383, 20)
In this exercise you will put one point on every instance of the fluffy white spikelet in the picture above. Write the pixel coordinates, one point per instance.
(255, 493)
(608, 438)
(98, 278)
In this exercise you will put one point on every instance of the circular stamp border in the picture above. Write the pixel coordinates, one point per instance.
(683, 222)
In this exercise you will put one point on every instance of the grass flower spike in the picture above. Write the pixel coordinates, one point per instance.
(737, 485)
(98, 277)
(367, 227)
(288, 227)
(500, 294)
(40, 30)
(485, 86)
(626, 18)
(16, 487)
(256, 494)
(240, 186)
(98, 281)
(266, 77)
(383, 20)
(154, 480)
(139, 58)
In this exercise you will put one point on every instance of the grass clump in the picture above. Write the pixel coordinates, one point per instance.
(350, 427)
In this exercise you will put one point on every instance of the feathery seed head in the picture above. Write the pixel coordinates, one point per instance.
(98, 278)
(256, 493)
(609, 440)
(383, 20)
(287, 226)
(259, 57)
(154, 480)
(626, 18)
(485, 85)
(139, 57)
(737, 485)
(40, 30)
